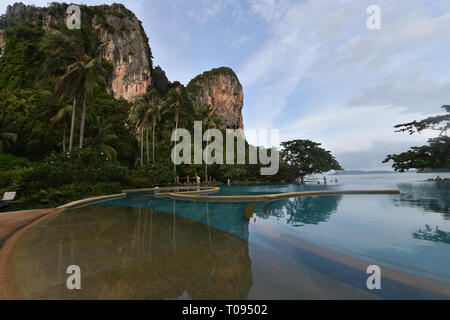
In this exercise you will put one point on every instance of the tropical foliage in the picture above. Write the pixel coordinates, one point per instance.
(21, 58)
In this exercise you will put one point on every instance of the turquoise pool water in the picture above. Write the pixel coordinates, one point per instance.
(307, 247)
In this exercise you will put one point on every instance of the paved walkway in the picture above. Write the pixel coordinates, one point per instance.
(11, 222)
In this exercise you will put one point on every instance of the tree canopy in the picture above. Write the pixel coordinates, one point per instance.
(305, 157)
(434, 155)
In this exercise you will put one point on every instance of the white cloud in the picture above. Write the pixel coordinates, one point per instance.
(202, 11)
(371, 80)
(238, 41)
(358, 133)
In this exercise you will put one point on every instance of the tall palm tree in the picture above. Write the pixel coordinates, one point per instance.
(60, 118)
(155, 112)
(138, 115)
(5, 134)
(77, 54)
(174, 101)
(209, 122)
(146, 111)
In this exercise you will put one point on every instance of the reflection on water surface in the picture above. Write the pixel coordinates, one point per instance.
(132, 253)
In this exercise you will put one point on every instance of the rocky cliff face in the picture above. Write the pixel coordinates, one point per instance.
(127, 48)
(127, 45)
(221, 91)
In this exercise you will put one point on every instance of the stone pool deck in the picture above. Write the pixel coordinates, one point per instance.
(12, 225)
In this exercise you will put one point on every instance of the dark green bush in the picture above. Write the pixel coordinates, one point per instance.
(137, 182)
(9, 179)
(10, 162)
(157, 173)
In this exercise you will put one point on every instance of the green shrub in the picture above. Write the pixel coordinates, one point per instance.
(137, 182)
(10, 162)
(62, 178)
(61, 169)
(158, 173)
(9, 179)
(55, 197)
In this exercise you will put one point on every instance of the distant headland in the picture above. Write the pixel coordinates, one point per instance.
(351, 172)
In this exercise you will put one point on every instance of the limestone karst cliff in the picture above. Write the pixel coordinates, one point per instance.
(221, 91)
(127, 48)
(127, 45)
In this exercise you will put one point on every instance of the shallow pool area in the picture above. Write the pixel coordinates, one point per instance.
(312, 247)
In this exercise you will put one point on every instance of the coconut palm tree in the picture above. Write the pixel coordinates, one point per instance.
(146, 111)
(155, 112)
(77, 55)
(61, 117)
(138, 115)
(209, 122)
(174, 101)
(5, 134)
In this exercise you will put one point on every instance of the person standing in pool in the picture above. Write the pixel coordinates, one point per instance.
(324, 180)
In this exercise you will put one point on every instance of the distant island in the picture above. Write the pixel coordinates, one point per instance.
(350, 172)
(433, 170)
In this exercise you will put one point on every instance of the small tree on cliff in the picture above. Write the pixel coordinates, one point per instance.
(306, 157)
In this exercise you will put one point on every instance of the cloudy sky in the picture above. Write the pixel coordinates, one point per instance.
(311, 68)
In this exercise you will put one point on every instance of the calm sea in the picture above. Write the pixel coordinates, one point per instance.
(388, 177)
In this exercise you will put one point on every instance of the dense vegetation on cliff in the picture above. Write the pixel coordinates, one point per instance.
(63, 136)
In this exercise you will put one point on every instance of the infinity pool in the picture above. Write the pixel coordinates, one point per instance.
(319, 247)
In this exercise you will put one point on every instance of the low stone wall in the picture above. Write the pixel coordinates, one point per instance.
(90, 200)
(187, 196)
(195, 189)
